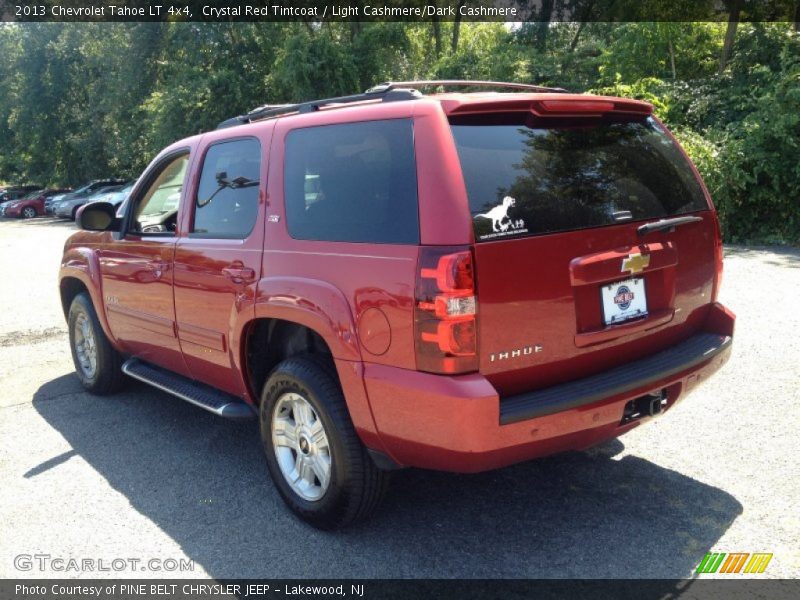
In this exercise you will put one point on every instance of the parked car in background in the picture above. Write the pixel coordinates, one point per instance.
(86, 190)
(115, 197)
(12, 195)
(69, 207)
(15, 192)
(69, 204)
(31, 205)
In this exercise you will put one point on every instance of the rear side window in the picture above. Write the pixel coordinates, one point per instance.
(354, 182)
(523, 179)
(227, 197)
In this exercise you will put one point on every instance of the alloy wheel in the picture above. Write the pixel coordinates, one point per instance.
(301, 446)
(85, 345)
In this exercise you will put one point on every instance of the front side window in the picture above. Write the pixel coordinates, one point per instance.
(354, 182)
(156, 211)
(227, 197)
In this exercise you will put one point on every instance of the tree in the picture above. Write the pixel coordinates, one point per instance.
(734, 9)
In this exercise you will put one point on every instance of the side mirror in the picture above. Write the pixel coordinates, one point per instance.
(99, 216)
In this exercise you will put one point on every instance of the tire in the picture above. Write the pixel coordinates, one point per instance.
(28, 212)
(74, 214)
(98, 366)
(355, 486)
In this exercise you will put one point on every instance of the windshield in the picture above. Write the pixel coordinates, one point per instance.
(82, 190)
(524, 179)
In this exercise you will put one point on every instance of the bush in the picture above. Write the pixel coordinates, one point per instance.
(759, 164)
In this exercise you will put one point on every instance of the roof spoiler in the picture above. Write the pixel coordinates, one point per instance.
(390, 91)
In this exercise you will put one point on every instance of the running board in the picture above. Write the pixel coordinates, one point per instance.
(199, 394)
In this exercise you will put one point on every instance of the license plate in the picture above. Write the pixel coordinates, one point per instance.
(624, 300)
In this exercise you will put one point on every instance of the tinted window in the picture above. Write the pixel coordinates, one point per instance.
(354, 182)
(156, 210)
(522, 179)
(227, 197)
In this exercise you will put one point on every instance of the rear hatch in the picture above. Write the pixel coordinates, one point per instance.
(567, 285)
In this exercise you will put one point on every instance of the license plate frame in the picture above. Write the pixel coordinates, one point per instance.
(623, 300)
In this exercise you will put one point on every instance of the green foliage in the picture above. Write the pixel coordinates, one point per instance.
(648, 89)
(87, 100)
(760, 164)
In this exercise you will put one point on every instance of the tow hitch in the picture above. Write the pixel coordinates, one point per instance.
(644, 406)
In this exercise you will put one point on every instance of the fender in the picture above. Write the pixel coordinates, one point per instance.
(82, 263)
(316, 304)
(324, 309)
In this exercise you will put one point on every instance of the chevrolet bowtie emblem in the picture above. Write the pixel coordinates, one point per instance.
(635, 263)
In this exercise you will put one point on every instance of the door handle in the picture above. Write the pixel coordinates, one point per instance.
(239, 274)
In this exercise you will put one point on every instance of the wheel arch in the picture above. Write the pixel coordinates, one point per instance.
(80, 272)
(295, 316)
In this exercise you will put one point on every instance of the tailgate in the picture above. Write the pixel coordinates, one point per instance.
(566, 285)
(541, 308)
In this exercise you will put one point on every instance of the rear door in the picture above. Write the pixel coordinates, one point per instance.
(218, 260)
(567, 287)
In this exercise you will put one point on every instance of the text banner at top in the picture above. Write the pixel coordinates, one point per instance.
(392, 10)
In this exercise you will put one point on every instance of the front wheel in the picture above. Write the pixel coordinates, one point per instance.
(97, 363)
(318, 463)
(28, 212)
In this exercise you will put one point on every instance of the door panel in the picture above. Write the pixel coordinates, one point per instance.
(218, 261)
(137, 270)
(137, 291)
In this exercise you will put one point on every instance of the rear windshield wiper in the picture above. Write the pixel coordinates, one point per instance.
(665, 224)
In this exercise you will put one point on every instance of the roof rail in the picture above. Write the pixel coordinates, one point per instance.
(274, 110)
(390, 85)
(389, 91)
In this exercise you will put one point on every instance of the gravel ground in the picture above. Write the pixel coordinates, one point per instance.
(145, 476)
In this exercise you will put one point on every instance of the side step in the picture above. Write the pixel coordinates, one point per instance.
(199, 394)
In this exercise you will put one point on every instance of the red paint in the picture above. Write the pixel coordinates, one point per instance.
(14, 209)
(188, 303)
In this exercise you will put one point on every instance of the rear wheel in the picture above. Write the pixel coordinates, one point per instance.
(97, 363)
(318, 463)
(28, 212)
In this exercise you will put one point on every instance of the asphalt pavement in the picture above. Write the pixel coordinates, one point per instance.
(143, 476)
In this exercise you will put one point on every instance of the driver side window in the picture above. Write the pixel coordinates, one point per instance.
(156, 211)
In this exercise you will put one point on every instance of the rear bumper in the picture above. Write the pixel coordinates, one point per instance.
(460, 423)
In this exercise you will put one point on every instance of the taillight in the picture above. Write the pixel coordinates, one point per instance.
(718, 252)
(445, 311)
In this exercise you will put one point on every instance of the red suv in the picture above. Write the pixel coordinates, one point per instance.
(456, 281)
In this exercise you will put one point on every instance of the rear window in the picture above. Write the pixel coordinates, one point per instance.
(353, 182)
(523, 179)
